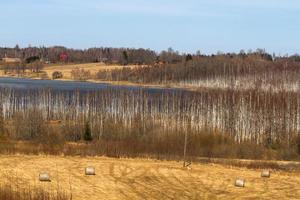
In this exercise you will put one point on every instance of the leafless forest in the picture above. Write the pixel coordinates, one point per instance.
(133, 122)
(223, 71)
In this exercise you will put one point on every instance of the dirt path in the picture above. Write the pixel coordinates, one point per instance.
(147, 179)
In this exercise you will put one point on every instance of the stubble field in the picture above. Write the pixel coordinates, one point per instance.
(145, 179)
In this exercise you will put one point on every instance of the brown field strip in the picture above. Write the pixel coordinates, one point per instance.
(66, 69)
(146, 179)
(92, 67)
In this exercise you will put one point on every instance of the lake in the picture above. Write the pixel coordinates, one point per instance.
(22, 83)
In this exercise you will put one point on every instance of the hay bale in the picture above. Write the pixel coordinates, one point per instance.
(44, 177)
(90, 171)
(266, 174)
(239, 183)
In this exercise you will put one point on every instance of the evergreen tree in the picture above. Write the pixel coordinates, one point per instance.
(125, 58)
(188, 57)
(87, 132)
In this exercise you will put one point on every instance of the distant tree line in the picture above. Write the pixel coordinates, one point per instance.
(123, 56)
(58, 54)
(220, 71)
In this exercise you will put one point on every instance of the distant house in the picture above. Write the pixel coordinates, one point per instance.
(64, 57)
(11, 60)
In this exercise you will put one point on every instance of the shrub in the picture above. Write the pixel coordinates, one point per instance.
(57, 75)
(80, 74)
(28, 126)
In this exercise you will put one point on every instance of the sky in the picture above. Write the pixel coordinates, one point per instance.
(187, 26)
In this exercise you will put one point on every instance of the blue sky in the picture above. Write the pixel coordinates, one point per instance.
(186, 26)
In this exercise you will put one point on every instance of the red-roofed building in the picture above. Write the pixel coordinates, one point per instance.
(64, 57)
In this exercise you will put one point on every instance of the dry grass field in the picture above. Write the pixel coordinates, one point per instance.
(92, 67)
(146, 179)
(67, 68)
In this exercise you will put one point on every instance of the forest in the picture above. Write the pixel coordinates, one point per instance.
(132, 122)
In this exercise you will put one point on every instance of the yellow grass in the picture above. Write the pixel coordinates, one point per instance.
(149, 179)
(92, 67)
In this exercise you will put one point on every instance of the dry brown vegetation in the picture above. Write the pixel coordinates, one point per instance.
(21, 191)
(149, 179)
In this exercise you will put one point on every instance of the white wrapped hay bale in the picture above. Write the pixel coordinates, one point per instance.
(44, 177)
(239, 183)
(90, 171)
(266, 174)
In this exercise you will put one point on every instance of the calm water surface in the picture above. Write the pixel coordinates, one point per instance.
(20, 83)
